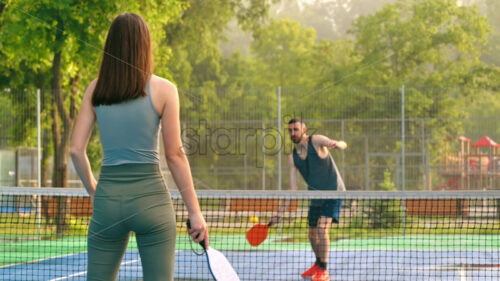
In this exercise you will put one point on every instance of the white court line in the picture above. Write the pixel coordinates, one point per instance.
(463, 274)
(85, 272)
(69, 276)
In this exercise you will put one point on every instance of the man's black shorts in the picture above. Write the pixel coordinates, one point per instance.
(324, 208)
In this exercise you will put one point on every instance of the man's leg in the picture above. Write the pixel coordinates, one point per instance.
(313, 218)
(323, 240)
(320, 243)
(314, 240)
(330, 212)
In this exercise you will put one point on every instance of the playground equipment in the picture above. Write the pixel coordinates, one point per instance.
(472, 169)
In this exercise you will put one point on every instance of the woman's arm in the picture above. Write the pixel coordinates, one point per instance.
(178, 162)
(81, 135)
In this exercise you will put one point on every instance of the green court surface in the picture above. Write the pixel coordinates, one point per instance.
(402, 242)
(34, 250)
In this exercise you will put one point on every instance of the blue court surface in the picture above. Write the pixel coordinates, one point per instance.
(288, 264)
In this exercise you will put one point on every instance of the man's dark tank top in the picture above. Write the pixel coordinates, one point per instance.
(319, 173)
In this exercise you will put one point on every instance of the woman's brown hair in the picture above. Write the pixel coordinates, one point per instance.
(126, 62)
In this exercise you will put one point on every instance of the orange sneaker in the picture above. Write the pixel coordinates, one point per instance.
(321, 275)
(310, 272)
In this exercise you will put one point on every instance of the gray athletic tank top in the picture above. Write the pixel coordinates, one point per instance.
(129, 131)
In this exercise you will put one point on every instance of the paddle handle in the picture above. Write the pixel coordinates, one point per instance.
(271, 224)
(202, 243)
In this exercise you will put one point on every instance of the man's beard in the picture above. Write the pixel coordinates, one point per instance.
(296, 140)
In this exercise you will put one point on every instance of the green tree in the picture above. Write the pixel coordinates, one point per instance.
(196, 61)
(385, 213)
(195, 37)
(330, 19)
(421, 41)
(282, 50)
(430, 46)
(212, 87)
(432, 42)
(492, 49)
(62, 41)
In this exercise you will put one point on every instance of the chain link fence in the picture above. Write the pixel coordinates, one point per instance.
(233, 141)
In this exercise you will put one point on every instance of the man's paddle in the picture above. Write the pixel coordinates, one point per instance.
(257, 234)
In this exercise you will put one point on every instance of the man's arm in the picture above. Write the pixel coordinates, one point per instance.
(293, 186)
(293, 173)
(320, 140)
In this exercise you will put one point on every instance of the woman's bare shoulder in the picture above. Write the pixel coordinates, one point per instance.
(162, 86)
(163, 93)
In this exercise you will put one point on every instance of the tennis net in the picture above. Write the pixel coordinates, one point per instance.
(380, 235)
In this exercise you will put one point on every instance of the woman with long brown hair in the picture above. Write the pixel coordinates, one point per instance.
(129, 105)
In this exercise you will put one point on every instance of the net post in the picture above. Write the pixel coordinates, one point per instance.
(342, 152)
(39, 164)
(403, 209)
(263, 156)
(278, 92)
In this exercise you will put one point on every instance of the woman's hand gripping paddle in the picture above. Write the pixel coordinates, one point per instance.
(219, 266)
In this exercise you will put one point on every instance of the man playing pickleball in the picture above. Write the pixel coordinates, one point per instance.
(311, 156)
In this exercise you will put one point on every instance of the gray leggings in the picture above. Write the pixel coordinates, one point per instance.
(131, 197)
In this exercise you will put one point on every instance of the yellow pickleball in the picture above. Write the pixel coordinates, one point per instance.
(254, 219)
